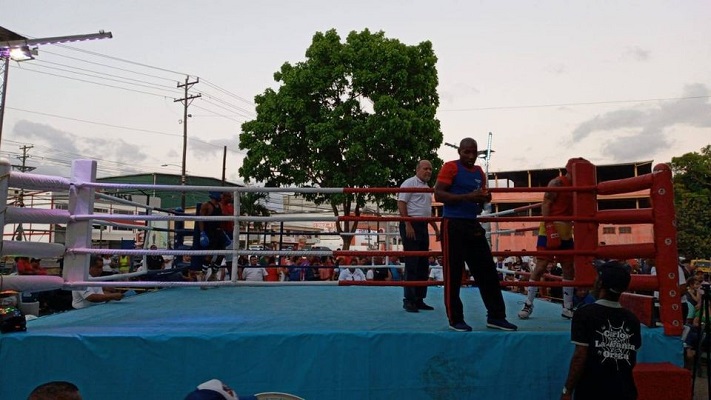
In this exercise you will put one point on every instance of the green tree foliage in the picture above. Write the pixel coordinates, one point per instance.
(353, 114)
(692, 192)
(252, 204)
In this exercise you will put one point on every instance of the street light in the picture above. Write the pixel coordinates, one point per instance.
(19, 48)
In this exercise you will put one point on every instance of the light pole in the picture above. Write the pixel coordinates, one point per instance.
(19, 48)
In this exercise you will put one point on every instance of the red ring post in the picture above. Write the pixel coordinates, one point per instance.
(665, 241)
(584, 205)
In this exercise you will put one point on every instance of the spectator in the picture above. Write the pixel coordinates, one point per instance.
(155, 261)
(352, 273)
(214, 389)
(57, 390)
(395, 269)
(27, 266)
(253, 272)
(109, 267)
(94, 294)
(607, 338)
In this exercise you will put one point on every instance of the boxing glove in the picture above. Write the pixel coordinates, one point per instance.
(552, 236)
(204, 240)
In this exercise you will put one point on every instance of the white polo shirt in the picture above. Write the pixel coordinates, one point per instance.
(418, 204)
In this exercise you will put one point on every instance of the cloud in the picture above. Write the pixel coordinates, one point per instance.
(556, 69)
(644, 130)
(212, 149)
(637, 53)
(111, 152)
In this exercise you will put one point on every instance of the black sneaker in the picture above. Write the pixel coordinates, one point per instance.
(460, 327)
(421, 305)
(409, 307)
(502, 324)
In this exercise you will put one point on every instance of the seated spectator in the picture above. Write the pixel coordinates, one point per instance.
(383, 273)
(155, 261)
(396, 269)
(108, 264)
(57, 390)
(214, 389)
(27, 266)
(352, 273)
(94, 294)
(253, 272)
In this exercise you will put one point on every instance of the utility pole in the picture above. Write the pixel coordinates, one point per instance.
(20, 231)
(186, 102)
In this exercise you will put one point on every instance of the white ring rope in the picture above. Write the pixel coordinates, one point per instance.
(147, 284)
(38, 182)
(154, 217)
(15, 215)
(114, 199)
(186, 188)
(120, 225)
(36, 249)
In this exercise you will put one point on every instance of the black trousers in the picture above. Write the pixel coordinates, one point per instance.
(464, 240)
(416, 268)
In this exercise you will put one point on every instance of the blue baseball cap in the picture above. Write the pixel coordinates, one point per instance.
(214, 389)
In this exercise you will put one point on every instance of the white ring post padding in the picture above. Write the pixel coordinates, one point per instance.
(30, 283)
(4, 180)
(31, 249)
(39, 182)
(81, 201)
(36, 215)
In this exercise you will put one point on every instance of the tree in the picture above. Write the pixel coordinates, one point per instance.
(251, 204)
(353, 114)
(692, 193)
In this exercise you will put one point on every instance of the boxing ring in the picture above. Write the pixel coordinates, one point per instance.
(330, 340)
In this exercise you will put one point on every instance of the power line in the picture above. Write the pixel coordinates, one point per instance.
(102, 73)
(93, 53)
(107, 66)
(124, 127)
(94, 83)
(227, 92)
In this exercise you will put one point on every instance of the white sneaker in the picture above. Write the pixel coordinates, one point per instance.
(567, 313)
(526, 311)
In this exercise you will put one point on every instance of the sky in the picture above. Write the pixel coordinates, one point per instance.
(610, 81)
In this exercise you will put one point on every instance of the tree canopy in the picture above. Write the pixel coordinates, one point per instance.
(692, 192)
(359, 113)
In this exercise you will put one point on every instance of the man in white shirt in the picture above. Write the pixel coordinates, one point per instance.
(351, 274)
(415, 235)
(253, 272)
(94, 295)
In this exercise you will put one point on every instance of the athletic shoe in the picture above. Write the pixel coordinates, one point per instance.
(422, 306)
(461, 327)
(409, 307)
(526, 311)
(567, 313)
(502, 324)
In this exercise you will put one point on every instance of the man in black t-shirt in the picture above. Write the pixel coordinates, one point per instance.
(607, 338)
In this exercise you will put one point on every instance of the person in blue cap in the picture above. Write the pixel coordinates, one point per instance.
(214, 389)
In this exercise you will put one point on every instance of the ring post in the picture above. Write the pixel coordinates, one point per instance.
(81, 202)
